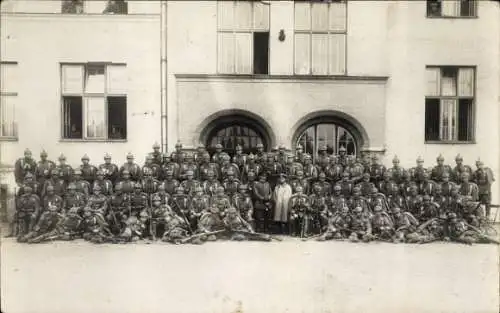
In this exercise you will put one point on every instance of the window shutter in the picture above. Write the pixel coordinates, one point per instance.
(116, 79)
(225, 15)
(243, 53)
(337, 16)
(261, 16)
(226, 53)
(466, 82)
(433, 76)
(72, 79)
(95, 117)
(302, 16)
(319, 16)
(337, 64)
(302, 54)
(320, 54)
(243, 15)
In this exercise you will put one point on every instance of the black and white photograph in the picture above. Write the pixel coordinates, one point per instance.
(241, 156)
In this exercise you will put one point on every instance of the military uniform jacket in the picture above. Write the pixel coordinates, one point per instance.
(340, 221)
(377, 171)
(55, 200)
(118, 202)
(414, 203)
(299, 204)
(304, 183)
(164, 197)
(98, 203)
(189, 186)
(226, 168)
(378, 199)
(365, 187)
(185, 167)
(248, 167)
(181, 203)
(22, 167)
(231, 186)
(150, 185)
(240, 160)
(209, 222)
(262, 191)
(417, 173)
(361, 202)
(484, 178)
(83, 186)
(177, 156)
(138, 201)
(447, 187)
(397, 174)
(261, 158)
(360, 224)
(74, 200)
(205, 167)
(171, 185)
(43, 170)
(326, 188)
(210, 187)
(438, 171)
(217, 157)
(88, 172)
(318, 203)
(134, 170)
(200, 204)
(174, 167)
(65, 171)
(106, 186)
(110, 171)
(222, 203)
(458, 171)
(243, 203)
(428, 211)
(28, 203)
(157, 158)
(58, 184)
(154, 168)
(470, 189)
(334, 172)
(380, 221)
(47, 222)
(126, 185)
(337, 203)
(37, 189)
(397, 201)
(347, 187)
(427, 187)
(310, 172)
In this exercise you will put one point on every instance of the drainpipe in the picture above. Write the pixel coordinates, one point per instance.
(163, 75)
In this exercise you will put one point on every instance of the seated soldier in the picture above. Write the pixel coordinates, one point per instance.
(338, 225)
(381, 224)
(69, 227)
(300, 214)
(48, 222)
(404, 223)
(360, 226)
(459, 230)
(157, 217)
(238, 229)
(242, 201)
(176, 228)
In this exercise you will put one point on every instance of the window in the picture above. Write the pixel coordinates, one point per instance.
(451, 8)
(243, 37)
(449, 104)
(116, 7)
(8, 99)
(320, 37)
(72, 6)
(229, 136)
(94, 101)
(330, 135)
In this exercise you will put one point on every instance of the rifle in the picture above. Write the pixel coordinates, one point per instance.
(183, 216)
(199, 235)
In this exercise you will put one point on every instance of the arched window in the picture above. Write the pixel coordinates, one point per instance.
(229, 136)
(330, 135)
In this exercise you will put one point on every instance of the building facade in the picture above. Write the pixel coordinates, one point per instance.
(392, 78)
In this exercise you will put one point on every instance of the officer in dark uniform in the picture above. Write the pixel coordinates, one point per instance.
(23, 166)
(211, 184)
(110, 170)
(43, 168)
(51, 199)
(133, 168)
(152, 167)
(65, 170)
(28, 209)
(262, 203)
(156, 155)
(105, 184)
(88, 171)
(178, 155)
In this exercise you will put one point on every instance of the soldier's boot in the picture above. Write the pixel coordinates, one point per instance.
(197, 241)
(353, 237)
(211, 238)
(283, 228)
(153, 231)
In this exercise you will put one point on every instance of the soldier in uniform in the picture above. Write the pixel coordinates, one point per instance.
(290, 168)
(28, 209)
(396, 170)
(67, 228)
(65, 170)
(57, 182)
(94, 226)
(310, 171)
(138, 201)
(110, 170)
(404, 224)
(170, 183)
(242, 201)
(281, 199)
(173, 167)
(165, 197)
(446, 185)
(98, 202)
(199, 204)
(319, 208)
(231, 184)
(178, 155)
(325, 187)
(323, 159)
(418, 171)
(334, 170)
(428, 209)
(43, 168)
(300, 180)
(251, 180)
(440, 169)
(297, 164)
(149, 184)
(365, 185)
(263, 205)
(226, 167)
(396, 200)
(459, 230)
(299, 153)
(88, 171)
(337, 201)
(156, 155)
(439, 198)
(376, 170)
(187, 166)
(260, 155)
(357, 200)
(414, 201)
(337, 226)
(407, 183)
(206, 165)
(190, 183)
(281, 156)
(127, 184)
(23, 166)
(342, 157)
(105, 184)
(360, 226)
(239, 229)
(118, 210)
(81, 185)
(181, 203)
(468, 188)
(176, 228)
(300, 214)
(157, 216)
(51, 199)
(199, 156)
(250, 166)
(459, 169)
(484, 178)
(133, 168)
(239, 158)
(47, 223)
(152, 167)
(426, 186)
(346, 184)
(211, 184)
(430, 231)
(381, 224)
(220, 200)
(73, 199)
(29, 180)
(133, 230)
(210, 221)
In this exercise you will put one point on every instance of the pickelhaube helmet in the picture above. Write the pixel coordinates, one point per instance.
(259, 145)
(281, 147)
(107, 156)
(420, 159)
(479, 162)
(85, 157)
(395, 159)
(440, 157)
(342, 149)
(218, 146)
(156, 198)
(130, 155)
(156, 145)
(43, 153)
(251, 156)
(358, 209)
(377, 208)
(238, 147)
(459, 158)
(137, 186)
(71, 186)
(178, 144)
(62, 157)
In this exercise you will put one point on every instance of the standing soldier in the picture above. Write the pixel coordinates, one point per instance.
(118, 203)
(459, 169)
(426, 186)
(440, 169)
(149, 184)
(468, 188)
(218, 154)
(156, 155)
(227, 166)
(43, 168)
(189, 165)
(65, 170)
(299, 153)
(206, 165)
(342, 157)
(190, 184)
(51, 199)
(323, 159)
(334, 170)
(484, 178)
(105, 184)
(417, 172)
(446, 185)
(211, 184)
(325, 187)
(377, 170)
(281, 197)
(109, 169)
(199, 204)
(173, 167)
(239, 158)
(199, 156)
(242, 201)
(319, 209)
(365, 186)
(299, 206)
(133, 168)
(88, 171)
(260, 155)
(23, 166)
(290, 168)
(178, 155)
(28, 209)
(396, 170)
(82, 185)
(73, 199)
(151, 166)
(300, 180)
(263, 205)
(57, 182)
(354, 169)
(250, 166)
(157, 216)
(346, 184)
(281, 156)
(231, 184)
(310, 171)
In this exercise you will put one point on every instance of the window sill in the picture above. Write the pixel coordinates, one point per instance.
(450, 142)
(8, 138)
(92, 140)
(452, 17)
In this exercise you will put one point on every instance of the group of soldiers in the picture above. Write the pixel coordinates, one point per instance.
(197, 196)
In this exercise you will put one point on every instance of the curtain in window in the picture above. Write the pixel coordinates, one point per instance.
(261, 16)
(336, 64)
(226, 53)
(433, 75)
(243, 53)
(448, 85)
(320, 54)
(8, 126)
(466, 82)
(337, 19)
(450, 8)
(302, 16)
(302, 53)
(95, 79)
(95, 117)
(243, 15)
(116, 79)
(448, 119)
(319, 17)
(72, 79)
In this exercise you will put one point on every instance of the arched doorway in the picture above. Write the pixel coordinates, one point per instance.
(233, 127)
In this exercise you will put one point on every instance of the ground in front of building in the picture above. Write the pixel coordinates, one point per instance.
(288, 276)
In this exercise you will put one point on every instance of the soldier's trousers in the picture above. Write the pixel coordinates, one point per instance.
(25, 223)
(485, 199)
